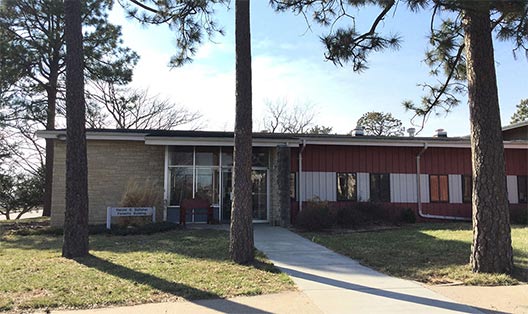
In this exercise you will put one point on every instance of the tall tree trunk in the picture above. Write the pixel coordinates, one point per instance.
(50, 125)
(76, 215)
(491, 249)
(241, 231)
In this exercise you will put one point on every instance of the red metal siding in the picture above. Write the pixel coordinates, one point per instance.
(359, 159)
(378, 159)
(516, 161)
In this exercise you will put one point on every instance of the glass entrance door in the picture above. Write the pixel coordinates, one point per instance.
(259, 192)
(227, 190)
(259, 179)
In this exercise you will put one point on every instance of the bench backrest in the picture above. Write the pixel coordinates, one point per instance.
(195, 203)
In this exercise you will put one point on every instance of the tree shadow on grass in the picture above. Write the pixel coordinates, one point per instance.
(209, 245)
(173, 288)
(410, 252)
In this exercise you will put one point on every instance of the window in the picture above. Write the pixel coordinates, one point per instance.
(438, 185)
(379, 187)
(467, 188)
(522, 188)
(346, 187)
(181, 184)
(260, 157)
(206, 156)
(207, 184)
(181, 156)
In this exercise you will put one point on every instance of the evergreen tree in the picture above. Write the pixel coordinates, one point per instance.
(32, 60)
(192, 19)
(380, 124)
(320, 129)
(461, 51)
(241, 231)
(521, 114)
(76, 214)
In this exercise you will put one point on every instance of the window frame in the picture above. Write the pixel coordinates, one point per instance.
(519, 199)
(338, 196)
(382, 198)
(440, 200)
(464, 186)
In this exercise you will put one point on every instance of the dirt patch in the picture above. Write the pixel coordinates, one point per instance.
(500, 299)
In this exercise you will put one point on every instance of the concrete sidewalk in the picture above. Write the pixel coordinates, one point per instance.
(338, 284)
(286, 302)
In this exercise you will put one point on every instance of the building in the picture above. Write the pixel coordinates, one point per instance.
(430, 175)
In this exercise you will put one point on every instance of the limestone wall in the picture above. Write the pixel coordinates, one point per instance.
(280, 186)
(111, 166)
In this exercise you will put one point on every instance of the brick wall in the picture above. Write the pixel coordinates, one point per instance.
(111, 166)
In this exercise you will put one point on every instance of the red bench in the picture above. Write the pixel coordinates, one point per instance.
(195, 205)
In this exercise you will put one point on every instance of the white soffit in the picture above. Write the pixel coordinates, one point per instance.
(216, 141)
(404, 143)
(103, 136)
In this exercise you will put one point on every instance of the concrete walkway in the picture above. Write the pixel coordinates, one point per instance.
(286, 302)
(338, 284)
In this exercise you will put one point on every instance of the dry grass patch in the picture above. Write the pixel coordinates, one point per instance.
(180, 264)
(430, 253)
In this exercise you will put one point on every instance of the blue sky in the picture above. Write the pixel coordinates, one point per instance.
(288, 63)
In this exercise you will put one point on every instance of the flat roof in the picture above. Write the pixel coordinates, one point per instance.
(222, 138)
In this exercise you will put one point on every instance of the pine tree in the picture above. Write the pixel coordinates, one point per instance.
(76, 214)
(462, 52)
(241, 231)
(380, 124)
(32, 60)
(521, 114)
(193, 19)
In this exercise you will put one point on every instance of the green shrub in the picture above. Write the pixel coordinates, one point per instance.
(519, 215)
(368, 213)
(316, 215)
(351, 216)
(408, 216)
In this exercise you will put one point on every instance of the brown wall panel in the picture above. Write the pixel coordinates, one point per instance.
(385, 159)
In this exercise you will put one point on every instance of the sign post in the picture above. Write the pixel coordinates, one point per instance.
(129, 212)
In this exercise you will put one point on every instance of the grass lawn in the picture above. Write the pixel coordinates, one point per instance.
(190, 264)
(430, 253)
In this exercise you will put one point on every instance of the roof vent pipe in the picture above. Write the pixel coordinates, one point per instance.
(440, 133)
(358, 131)
(411, 131)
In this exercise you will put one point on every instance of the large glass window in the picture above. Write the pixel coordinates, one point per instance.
(379, 187)
(438, 185)
(181, 156)
(181, 181)
(206, 156)
(227, 157)
(467, 188)
(346, 187)
(522, 188)
(260, 157)
(207, 184)
(206, 172)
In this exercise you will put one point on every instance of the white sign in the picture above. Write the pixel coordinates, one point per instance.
(129, 212)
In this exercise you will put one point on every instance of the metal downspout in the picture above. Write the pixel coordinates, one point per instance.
(300, 173)
(419, 192)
